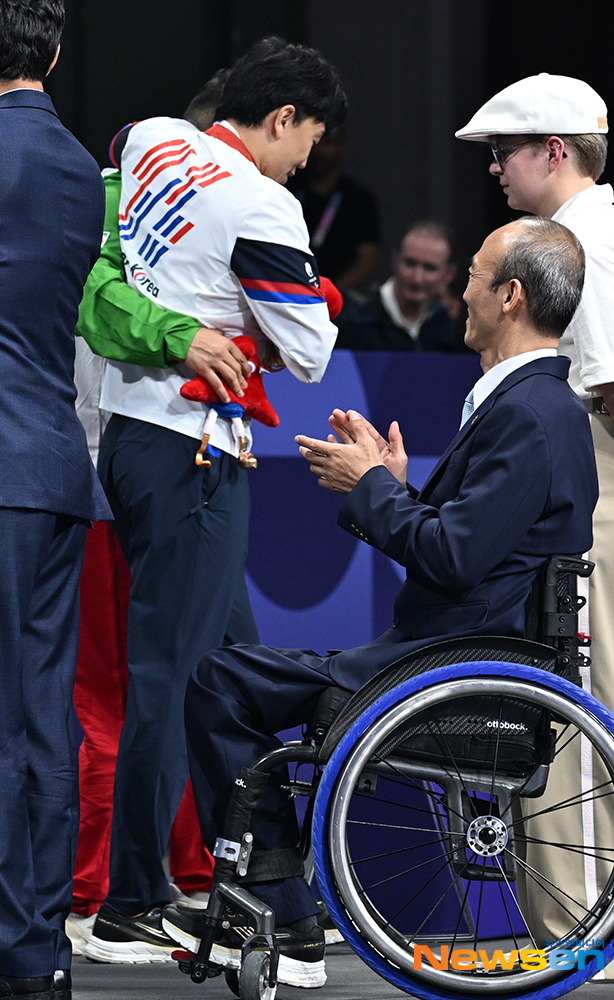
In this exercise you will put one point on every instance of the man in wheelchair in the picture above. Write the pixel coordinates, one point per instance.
(516, 485)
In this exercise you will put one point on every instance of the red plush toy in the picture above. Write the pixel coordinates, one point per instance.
(334, 298)
(254, 402)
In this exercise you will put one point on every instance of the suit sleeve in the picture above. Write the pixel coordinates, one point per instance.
(502, 494)
(114, 319)
(280, 280)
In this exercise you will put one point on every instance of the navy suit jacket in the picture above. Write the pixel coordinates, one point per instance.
(51, 215)
(517, 484)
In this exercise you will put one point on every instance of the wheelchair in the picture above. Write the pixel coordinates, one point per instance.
(427, 786)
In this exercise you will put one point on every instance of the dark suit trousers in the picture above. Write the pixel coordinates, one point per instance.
(236, 701)
(183, 529)
(40, 558)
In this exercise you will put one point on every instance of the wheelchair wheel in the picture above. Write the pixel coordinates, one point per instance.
(254, 977)
(424, 839)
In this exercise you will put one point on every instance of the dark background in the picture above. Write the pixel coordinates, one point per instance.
(415, 71)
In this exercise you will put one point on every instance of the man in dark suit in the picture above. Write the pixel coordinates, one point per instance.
(51, 206)
(505, 495)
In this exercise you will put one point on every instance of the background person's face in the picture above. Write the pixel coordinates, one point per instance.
(422, 268)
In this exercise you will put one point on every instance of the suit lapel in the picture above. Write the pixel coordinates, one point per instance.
(558, 367)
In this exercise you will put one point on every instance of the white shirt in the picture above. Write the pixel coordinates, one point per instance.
(495, 375)
(392, 307)
(205, 233)
(589, 338)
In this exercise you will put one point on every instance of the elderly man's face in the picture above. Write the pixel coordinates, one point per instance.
(422, 268)
(482, 301)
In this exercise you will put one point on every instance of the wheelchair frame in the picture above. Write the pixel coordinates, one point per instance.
(425, 727)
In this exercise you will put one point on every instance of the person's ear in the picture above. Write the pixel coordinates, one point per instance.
(555, 147)
(513, 295)
(281, 119)
(55, 59)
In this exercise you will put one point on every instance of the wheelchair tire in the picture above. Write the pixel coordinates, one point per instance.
(392, 855)
(254, 977)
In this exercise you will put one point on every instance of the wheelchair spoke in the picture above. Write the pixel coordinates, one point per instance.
(575, 800)
(400, 850)
(419, 787)
(504, 900)
(583, 851)
(438, 902)
(478, 914)
(406, 871)
(455, 769)
(544, 883)
(404, 782)
(496, 753)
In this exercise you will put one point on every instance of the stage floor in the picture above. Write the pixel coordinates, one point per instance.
(348, 979)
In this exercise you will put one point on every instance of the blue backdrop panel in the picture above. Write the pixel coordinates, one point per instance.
(311, 583)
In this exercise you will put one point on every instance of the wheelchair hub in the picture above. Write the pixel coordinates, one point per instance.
(487, 836)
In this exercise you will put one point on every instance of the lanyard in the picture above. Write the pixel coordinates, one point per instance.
(328, 217)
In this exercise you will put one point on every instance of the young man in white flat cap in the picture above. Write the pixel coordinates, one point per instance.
(548, 139)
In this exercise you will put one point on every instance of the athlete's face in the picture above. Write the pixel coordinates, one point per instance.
(293, 148)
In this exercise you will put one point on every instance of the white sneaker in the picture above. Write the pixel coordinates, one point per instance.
(195, 901)
(79, 929)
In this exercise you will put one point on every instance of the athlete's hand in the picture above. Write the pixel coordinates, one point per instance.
(216, 357)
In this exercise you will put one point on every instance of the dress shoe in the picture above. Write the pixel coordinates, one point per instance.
(40, 988)
(62, 984)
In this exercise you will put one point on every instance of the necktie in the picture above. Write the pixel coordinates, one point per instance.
(467, 408)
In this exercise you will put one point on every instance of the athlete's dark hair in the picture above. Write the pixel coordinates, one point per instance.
(275, 72)
(201, 111)
(29, 36)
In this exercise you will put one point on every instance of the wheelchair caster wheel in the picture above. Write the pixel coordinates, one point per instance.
(254, 977)
(232, 981)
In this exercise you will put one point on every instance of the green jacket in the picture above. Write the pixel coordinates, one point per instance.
(114, 319)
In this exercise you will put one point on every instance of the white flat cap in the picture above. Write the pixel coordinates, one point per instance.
(539, 105)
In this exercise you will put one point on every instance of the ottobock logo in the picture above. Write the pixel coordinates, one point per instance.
(518, 727)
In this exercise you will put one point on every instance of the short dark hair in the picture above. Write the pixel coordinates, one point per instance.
(202, 109)
(30, 33)
(548, 260)
(275, 72)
